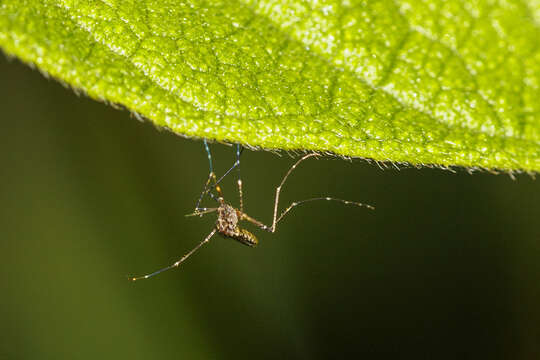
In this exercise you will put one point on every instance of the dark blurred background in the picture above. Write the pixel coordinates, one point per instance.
(448, 266)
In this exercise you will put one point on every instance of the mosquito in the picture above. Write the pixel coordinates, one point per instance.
(228, 217)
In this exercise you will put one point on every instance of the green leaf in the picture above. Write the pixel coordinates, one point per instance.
(424, 82)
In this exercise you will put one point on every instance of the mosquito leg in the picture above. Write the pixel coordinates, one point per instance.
(205, 191)
(211, 176)
(235, 165)
(202, 211)
(176, 264)
(346, 202)
(239, 150)
(210, 165)
(275, 220)
(278, 189)
(239, 181)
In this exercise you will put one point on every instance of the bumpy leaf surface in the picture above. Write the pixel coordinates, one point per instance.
(425, 82)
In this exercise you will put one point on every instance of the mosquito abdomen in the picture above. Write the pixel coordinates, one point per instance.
(246, 238)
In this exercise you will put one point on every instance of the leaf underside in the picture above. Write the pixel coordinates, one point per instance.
(424, 82)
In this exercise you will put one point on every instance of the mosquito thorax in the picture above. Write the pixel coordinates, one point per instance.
(227, 221)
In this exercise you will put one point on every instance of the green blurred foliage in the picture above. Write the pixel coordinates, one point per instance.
(446, 267)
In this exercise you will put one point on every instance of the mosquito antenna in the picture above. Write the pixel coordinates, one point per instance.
(176, 264)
